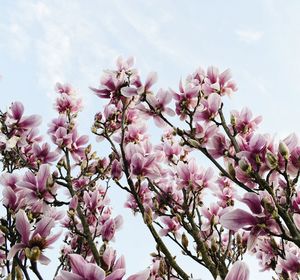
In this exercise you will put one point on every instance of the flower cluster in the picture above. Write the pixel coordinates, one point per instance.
(214, 188)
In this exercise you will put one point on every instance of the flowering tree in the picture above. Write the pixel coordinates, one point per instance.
(247, 201)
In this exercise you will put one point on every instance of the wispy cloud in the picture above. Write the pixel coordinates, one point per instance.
(248, 35)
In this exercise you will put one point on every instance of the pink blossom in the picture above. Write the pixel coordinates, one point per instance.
(150, 81)
(109, 228)
(37, 186)
(116, 170)
(172, 225)
(243, 123)
(20, 122)
(190, 176)
(186, 100)
(236, 219)
(39, 238)
(81, 270)
(209, 109)
(43, 153)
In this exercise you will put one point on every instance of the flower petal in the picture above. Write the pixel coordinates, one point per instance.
(239, 271)
(23, 226)
(236, 219)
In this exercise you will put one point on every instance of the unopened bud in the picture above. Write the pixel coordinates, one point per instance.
(268, 205)
(33, 254)
(88, 149)
(179, 132)
(71, 213)
(231, 170)
(83, 165)
(273, 244)
(233, 120)
(178, 217)
(155, 204)
(284, 150)
(19, 273)
(50, 182)
(214, 245)
(245, 165)
(238, 239)
(162, 268)
(4, 229)
(148, 219)
(272, 160)
(193, 143)
(94, 129)
(184, 241)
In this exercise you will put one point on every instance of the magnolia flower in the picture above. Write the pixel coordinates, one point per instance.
(37, 186)
(150, 81)
(82, 270)
(18, 121)
(33, 243)
(210, 108)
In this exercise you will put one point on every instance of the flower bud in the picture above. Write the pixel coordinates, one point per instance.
(162, 270)
(35, 253)
(148, 218)
(19, 273)
(184, 241)
(88, 149)
(231, 170)
(193, 143)
(245, 165)
(268, 205)
(272, 160)
(83, 165)
(233, 120)
(284, 150)
(94, 129)
(214, 245)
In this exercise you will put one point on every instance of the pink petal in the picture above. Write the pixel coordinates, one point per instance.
(120, 263)
(14, 250)
(44, 260)
(129, 91)
(214, 102)
(151, 80)
(17, 110)
(253, 202)
(225, 77)
(43, 227)
(23, 226)
(31, 121)
(66, 275)
(296, 218)
(78, 264)
(116, 275)
(143, 275)
(93, 272)
(239, 271)
(42, 176)
(53, 238)
(212, 74)
(236, 219)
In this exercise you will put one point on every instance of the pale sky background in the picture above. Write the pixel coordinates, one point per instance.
(42, 42)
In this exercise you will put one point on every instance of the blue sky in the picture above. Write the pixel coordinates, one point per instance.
(42, 42)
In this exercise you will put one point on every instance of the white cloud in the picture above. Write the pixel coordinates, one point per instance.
(249, 36)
